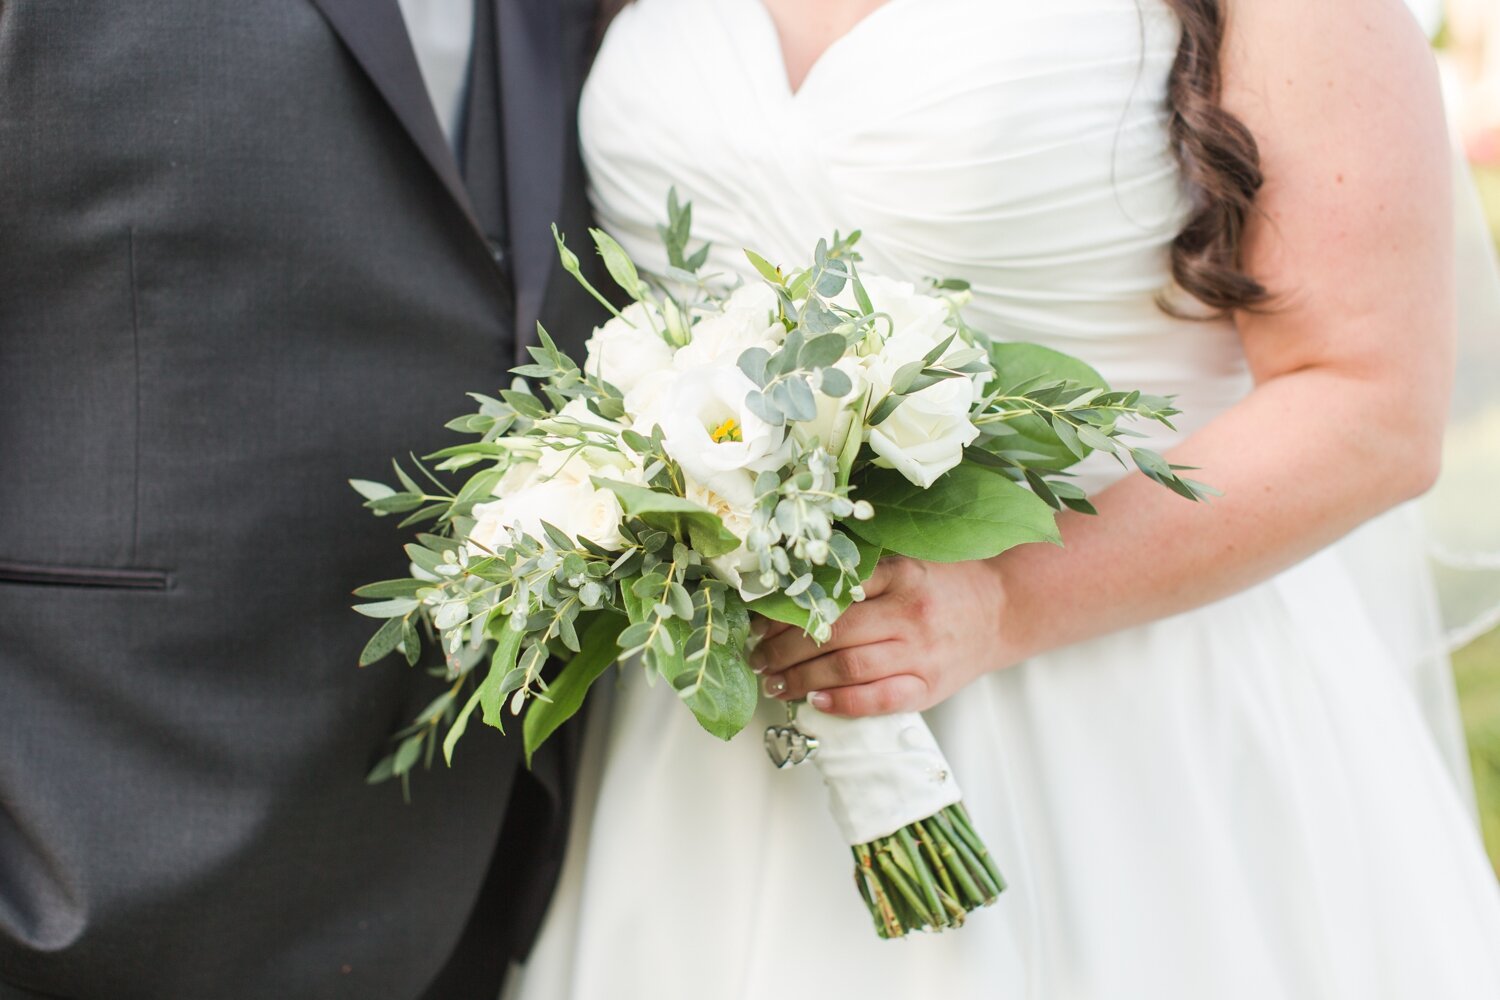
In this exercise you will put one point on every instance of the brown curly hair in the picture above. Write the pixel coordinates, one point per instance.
(1220, 162)
(1218, 156)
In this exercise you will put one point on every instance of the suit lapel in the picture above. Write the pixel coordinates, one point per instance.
(535, 122)
(375, 34)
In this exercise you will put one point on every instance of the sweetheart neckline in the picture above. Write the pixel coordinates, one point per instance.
(782, 73)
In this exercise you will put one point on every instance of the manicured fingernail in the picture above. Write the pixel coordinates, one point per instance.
(758, 627)
(774, 686)
(757, 664)
(819, 700)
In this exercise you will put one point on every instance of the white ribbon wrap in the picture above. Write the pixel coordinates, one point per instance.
(882, 773)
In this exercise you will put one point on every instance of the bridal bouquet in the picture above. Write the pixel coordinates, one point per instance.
(729, 452)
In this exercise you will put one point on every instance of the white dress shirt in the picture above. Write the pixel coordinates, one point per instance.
(442, 33)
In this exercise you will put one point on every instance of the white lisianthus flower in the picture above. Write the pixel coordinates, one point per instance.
(732, 497)
(644, 403)
(708, 429)
(627, 348)
(927, 433)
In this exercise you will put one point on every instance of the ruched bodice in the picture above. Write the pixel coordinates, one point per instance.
(1022, 147)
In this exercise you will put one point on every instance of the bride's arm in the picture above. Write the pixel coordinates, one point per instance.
(1351, 371)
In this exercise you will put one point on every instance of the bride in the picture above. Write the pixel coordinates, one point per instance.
(1191, 736)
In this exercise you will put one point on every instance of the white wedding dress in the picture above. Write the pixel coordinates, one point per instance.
(1263, 798)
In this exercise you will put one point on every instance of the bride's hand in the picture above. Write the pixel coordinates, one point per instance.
(923, 631)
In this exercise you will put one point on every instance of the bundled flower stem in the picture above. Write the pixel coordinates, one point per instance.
(928, 875)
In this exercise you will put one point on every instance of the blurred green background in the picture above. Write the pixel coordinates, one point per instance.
(1477, 667)
(1467, 34)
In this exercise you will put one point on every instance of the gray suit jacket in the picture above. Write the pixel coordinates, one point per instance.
(238, 267)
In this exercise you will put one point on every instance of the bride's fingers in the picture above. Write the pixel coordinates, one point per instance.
(854, 665)
(763, 628)
(784, 649)
(880, 581)
(897, 693)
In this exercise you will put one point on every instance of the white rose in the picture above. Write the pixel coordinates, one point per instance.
(927, 433)
(572, 505)
(627, 348)
(569, 461)
(745, 322)
(709, 430)
(519, 476)
(916, 317)
(732, 497)
(753, 297)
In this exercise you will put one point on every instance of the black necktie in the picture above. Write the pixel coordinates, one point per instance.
(480, 153)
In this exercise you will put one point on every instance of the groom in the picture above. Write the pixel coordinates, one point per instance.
(247, 251)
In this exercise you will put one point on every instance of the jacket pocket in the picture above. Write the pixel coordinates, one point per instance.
(82, 576)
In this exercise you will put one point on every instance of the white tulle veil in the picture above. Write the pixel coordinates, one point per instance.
(1462, 513)
(1429, 571)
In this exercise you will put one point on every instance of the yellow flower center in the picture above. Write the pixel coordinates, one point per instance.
(729, 430)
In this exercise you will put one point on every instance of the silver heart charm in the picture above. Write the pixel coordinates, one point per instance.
(789, 746)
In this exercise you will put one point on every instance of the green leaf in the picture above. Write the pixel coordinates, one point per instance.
(779, 607)
(391, 588)
(407, 754)
(460, 725)
(371, 490)
(396, 503)
(766, 268)
(973, 512)
(719, 687)
(394, 608)
(681, 517)
(383, 641)
(492, 690)
(618, 263)
(566, 693)
(822, 351)
(1016, 364)
(835, 383)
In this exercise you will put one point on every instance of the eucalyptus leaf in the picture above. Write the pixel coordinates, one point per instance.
(371, 490)
(779, 607)
(391, 588)
(822, 351)
(382, 642)
(835, 382)
(394, 608)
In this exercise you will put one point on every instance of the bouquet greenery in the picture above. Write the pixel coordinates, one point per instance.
(724, 452)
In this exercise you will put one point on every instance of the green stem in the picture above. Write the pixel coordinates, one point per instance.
(989, 889)
(924, 875)
(965, 827)
(907, 891)
(927, 875)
